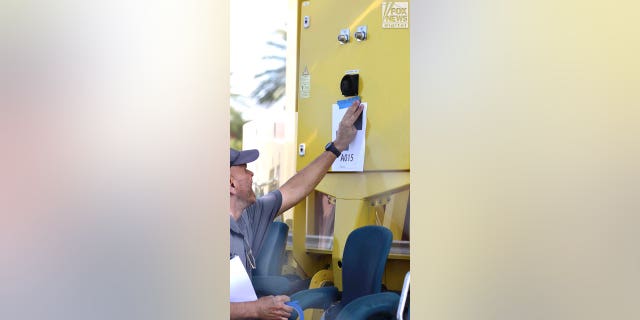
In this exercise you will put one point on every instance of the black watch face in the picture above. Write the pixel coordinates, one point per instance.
(327, 146)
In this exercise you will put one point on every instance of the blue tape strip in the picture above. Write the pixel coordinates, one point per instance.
(346, 103)
(297, 307)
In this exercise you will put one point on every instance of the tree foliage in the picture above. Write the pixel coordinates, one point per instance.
(272, 81)
(236, 128)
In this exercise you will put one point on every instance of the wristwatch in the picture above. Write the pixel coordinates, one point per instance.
(331, 147)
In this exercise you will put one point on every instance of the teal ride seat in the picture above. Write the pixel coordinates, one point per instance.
(267, 278)
(271, 256)
(363, 264)
(379, 306)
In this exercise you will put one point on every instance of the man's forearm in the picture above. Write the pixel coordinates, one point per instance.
(243, 310)
(303, 182)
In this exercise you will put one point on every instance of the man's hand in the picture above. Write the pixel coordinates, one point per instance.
(273, 308)
(347, 131)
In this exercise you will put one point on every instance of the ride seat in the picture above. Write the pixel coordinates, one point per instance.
(363, 264)
(267, 278)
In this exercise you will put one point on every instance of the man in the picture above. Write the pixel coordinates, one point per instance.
(250, 218)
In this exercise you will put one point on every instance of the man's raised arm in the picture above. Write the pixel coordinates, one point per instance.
(303, 182)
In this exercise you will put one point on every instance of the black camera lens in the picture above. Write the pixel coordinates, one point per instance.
(349, 85)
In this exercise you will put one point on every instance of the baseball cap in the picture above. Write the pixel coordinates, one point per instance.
(237, 158)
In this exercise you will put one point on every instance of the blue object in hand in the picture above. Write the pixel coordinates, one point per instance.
(297, 307)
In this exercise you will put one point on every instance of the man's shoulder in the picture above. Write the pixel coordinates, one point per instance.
(266, 202)
(274, 195)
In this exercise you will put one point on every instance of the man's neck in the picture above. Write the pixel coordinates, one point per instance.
(235, 216)
(236, 209)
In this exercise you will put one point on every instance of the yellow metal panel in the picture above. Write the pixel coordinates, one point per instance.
(311, 223)
(362, 185)
(395, 214)
(394, 274)
(382, 62)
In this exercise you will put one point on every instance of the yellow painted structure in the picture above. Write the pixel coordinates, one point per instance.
(382, 61)
(379, 194)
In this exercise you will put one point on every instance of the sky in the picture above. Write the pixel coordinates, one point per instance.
(252, 24)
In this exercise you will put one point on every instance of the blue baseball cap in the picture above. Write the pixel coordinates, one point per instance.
(237, 158)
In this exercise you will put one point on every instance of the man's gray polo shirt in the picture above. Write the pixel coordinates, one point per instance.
(252, 226)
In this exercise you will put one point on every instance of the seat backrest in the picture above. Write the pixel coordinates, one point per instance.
(269, 260)
(363, 262)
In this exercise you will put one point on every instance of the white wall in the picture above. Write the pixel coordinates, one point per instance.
(525, 159)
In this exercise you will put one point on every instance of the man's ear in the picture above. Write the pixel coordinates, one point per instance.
(232, 186)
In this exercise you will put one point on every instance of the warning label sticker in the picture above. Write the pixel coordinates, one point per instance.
(305, 84)
(395, 15)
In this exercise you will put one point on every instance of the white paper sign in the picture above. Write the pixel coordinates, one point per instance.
(241, 287)
(351, 159)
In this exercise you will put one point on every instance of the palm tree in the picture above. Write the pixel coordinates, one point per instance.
(270, 89)
(272, 81)
(236, 128)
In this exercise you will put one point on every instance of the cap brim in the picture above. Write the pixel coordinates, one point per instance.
(245, 157)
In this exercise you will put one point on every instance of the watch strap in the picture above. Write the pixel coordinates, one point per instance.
(332, 148)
